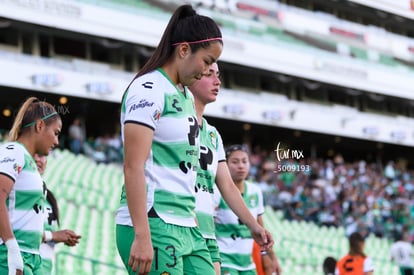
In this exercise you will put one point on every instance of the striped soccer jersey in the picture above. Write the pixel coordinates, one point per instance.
(233, 237)
(50, 224)
(211, 153)
(26, 199)
(153, 100)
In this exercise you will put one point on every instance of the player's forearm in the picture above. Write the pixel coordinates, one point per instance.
(6, 232)
(136, 194)
(233, 198)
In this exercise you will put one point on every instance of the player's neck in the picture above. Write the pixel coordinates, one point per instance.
(240, 186)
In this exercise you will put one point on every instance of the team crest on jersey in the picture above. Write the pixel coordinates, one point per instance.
(252, 201)
(213, 138)
(156, 115)
(17, 168)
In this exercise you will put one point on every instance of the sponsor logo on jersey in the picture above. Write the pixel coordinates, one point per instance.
(165, 273)
(7, 159)
(148, 84)
(203, 188)
(185, 166)
(206, 157)
(142, 104)
(10, 147)
(38, 208)
(175, 105)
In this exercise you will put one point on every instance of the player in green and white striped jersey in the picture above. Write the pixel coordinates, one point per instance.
(35, 130)
(156, 228)
(233, 236)
(213, 169)
(51, 234)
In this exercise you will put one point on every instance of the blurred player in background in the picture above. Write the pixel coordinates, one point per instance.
(355, 262)
(51, 234)
(35, 130)
(213, 169)
(233, 237)
(402, 253)
(156, 229)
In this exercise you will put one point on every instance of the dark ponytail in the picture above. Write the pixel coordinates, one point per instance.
(53, 203)
(185, 25)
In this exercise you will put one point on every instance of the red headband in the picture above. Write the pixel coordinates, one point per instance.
(199, 41)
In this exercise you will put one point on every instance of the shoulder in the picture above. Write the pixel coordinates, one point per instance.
(208, 126)
(12, 148)
(253, 187)
(148, 81)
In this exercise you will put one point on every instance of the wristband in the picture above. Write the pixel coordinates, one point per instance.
(14, 258)
(12, 245)
(48, 236)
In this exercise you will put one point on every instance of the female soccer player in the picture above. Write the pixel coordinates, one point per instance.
(35, 130)
(233, 237)
(213, 169)
(156, 226)
(355, 262)
(51, 234)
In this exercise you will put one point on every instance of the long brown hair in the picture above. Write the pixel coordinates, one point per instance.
(32, 110)
(355, 245)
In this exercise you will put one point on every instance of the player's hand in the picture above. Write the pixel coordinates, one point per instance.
(67, 236)
(262, 237)
(14, 258)
(141, 255)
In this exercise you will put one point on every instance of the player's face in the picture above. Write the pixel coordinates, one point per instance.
(49, 137)
(238, 163)
(40, 162)
(206, 89)
(197, 64)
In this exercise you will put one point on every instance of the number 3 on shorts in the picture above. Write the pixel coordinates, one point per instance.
(169, 253)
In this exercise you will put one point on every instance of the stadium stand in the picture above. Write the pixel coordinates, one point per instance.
(303, 246)
(88, 195)
(88, 192)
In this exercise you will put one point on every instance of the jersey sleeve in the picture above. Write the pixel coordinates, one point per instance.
(368, 265)
(216, 196)
(144, 103)
(11, 160)
(221, 155)
(260, 209)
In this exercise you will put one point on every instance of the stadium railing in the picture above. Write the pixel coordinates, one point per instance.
(84, 265)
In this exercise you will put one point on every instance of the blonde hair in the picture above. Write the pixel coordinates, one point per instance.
(32, 110)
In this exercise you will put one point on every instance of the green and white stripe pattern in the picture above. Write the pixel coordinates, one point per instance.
(25, 203)
(154, 101)
(233, 237)
(50, 224)
(211, 153)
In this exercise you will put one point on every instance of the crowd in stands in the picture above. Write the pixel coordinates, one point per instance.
(366, 197)
(373, 198)
(102, 149)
